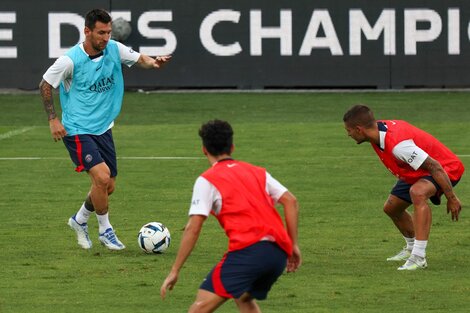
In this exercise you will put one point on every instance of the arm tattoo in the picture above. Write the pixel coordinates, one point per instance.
(433, 168)
(47, 99)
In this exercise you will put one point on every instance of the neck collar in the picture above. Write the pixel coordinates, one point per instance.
(222, 160)
(96, 55)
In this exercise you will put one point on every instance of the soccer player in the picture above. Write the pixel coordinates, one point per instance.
(91, 91)
(425, 168)
(241, 196)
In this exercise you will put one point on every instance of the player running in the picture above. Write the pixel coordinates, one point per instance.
(241, 196)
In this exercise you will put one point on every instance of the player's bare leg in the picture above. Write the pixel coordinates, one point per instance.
(246, 304)
(100, 176)
(420, 192)
(102, 186)
(88, 204)
(395, 208)
(97, 200)
(206, 302)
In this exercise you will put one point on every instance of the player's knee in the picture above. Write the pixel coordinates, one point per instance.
(392, 211)
(103, 181)
(418, 195)
(248, 306)
(389, 210)
(393, 208)
(198, 307)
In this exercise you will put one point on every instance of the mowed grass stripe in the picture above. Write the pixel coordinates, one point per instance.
(16, 132)
(150, 158)
(341, 187)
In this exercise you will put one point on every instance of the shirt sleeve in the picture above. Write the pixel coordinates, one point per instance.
(128, 56)
(61, 70)
(410, 153)
(274, 188)
(205, 198)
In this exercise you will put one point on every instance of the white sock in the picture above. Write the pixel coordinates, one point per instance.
(409, 243)
(419, 248)
(103, 222)
(82, 215)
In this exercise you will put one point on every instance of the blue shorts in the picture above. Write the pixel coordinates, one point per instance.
(402, 190)
(87, 151)
(253, 269)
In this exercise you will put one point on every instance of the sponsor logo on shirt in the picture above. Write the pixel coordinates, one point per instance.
(412, 157)
(102, 85)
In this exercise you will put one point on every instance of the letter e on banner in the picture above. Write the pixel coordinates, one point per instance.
(7, 34)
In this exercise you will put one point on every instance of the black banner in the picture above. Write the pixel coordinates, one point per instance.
(254, 44)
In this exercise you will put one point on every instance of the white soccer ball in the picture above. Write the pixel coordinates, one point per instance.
(121, 29)
(154, 237)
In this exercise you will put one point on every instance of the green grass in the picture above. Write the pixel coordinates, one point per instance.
(299, 137)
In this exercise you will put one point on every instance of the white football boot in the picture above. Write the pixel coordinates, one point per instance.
(82, 233)
(403, 255)
(110, 240)
(413, 263)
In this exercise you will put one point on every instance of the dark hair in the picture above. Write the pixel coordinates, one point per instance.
(96, 15)
(217, 137)
(359, 115)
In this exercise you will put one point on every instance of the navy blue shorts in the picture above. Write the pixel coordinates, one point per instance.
(253, 269)
(87, 151)
(402, 190)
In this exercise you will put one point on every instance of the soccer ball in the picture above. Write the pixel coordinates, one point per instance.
(121, 29)
(154, 237)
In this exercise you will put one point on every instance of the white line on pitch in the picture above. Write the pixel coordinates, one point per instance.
(160, 158)
(15, 132)
(172, 158)
(119, 158)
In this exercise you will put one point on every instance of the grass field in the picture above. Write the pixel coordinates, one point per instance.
(299, 137)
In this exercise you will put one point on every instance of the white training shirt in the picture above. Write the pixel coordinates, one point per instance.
(206, 197)
(62, 69)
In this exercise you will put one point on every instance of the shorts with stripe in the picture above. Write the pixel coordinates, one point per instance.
(87, 151)
(253, 269)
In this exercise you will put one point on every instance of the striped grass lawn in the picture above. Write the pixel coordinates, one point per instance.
(299, 137)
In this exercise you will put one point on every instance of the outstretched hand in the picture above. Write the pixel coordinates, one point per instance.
(148, 62)
(161, 60)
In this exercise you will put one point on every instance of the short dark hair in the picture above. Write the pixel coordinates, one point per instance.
(359, 115)
(217, 137)
(96, 15)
